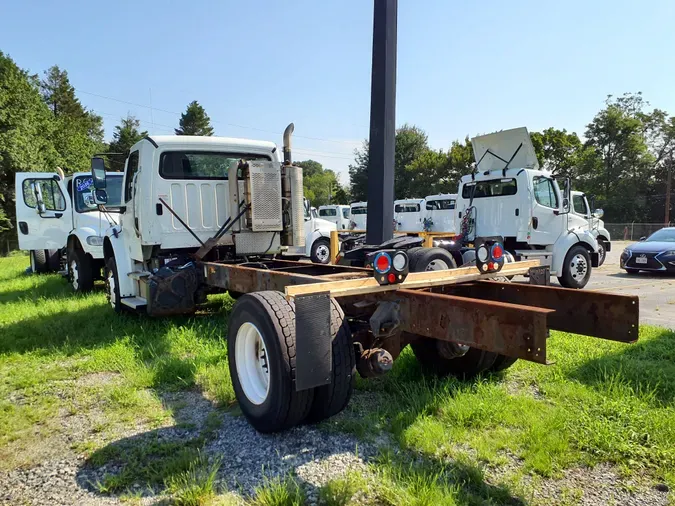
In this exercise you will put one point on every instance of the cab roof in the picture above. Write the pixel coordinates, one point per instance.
(441, 196)
(200, 142)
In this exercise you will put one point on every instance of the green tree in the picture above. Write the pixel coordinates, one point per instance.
(77, 133)
(26, 128)
(194, 121)
(557, 150)
(126, 135)
(318, 183)
(411, 142)
(341, 196)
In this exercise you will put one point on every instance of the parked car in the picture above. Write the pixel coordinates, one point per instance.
(653, 253)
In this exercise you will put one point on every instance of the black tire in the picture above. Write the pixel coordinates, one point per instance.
(502, 362)
(330, 399)
(80, 271)
(111, 274)
(602, 253)
(38, 261)
(471, 364)
(53, 260)
(632, 272)
(274, 318)
(428, 258)
(572, 277)
(413, 253)
(320, 253)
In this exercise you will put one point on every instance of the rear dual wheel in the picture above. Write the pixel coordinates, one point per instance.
(262, 360)
(428, 352)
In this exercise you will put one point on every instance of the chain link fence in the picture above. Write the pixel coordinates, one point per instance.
(632, 231)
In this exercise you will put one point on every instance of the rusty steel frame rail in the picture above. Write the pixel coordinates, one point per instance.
(509, 329)
(597, 314)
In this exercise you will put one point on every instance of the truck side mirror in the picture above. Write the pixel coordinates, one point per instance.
(598, 213)
(39, 203)
(98, 173)
(566, 204)
(643, 238)
(100, 196)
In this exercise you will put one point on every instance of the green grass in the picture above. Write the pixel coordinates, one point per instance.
(63, 355)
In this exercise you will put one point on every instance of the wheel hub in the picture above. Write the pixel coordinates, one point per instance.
(251, 358)
(74, 274)
(322, 252)
(578, 267)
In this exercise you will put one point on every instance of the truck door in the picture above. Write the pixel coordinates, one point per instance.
(43, 212)
(546, 222)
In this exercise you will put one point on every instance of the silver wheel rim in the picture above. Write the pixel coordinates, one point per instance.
(601, 252)
(74, 274)
(111, 289)
(253, 368)
(437, 265)
(322, 252)
(32, 262)
(578, 267)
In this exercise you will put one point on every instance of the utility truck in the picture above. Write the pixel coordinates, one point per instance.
(337, 214)
(317, 236)
(359, 215)
(596, 226)
(441, 215)
(205, 214)
(409, 215)
(61, 226)
(508, 195)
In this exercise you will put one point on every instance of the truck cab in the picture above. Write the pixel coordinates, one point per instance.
(510, 196)
(61, 226)
(186, 197)
(596, 226)
(441, 215)
(359, 215)
(317, 235)
(337, 214)
(409, 215)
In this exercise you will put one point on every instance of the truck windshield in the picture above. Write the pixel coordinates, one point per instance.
(327, 212)
(406, 208)
(84, 193)
(200, 164)
(492, 188)
(359, 210)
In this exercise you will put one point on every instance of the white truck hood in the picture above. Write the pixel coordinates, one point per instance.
(488, 149)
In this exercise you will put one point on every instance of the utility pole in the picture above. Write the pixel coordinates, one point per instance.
(668, 185)
(379, 225)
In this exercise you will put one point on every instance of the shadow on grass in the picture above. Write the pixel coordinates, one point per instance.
(52, 285)
(648, 366)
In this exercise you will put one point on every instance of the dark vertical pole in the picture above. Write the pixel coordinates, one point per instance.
(380, 225)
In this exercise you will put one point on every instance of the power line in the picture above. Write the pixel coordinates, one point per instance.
(214, 121)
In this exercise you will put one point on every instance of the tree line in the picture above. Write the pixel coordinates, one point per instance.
(43, 125)
(623, 161)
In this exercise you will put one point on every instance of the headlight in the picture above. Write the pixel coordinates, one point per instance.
(626, 252)
(95, 240)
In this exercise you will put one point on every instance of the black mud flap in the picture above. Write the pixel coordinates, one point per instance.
(313, 355)
(595, 259)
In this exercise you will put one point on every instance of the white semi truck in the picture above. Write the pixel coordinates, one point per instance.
(60, 226)
(338, 214)
(595, 224)
(508, 195)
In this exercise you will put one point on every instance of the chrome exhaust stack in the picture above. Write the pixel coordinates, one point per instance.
(293, 235)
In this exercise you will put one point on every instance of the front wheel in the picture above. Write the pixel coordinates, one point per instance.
(80, 271)
(38, 261)
(320, 253)
(602, 253)
(112, 285)
(576, 268)
(261, 351)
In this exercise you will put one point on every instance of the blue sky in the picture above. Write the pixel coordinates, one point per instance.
(463, 67)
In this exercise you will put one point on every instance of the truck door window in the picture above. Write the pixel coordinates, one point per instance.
(544, 192)
(327, 212)
(84, 197)
(132, 169)
(579, 205)
(51, 194)
(345, 213)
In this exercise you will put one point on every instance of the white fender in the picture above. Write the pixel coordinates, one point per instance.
(565, 243)
(313, 236)
(112, 243)
(96, 251)
(603, 232)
